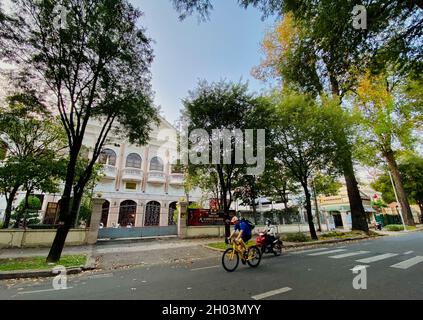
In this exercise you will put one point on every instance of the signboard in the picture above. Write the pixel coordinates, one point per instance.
(206, 217)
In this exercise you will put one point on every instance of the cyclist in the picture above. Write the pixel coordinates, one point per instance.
(241, 233)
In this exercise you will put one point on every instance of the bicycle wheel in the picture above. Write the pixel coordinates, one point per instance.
(254, 256)
(230, 260)
(277, 249)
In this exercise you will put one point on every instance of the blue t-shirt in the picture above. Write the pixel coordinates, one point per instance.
(243, 225)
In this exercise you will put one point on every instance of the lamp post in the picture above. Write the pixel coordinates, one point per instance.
(396, 197)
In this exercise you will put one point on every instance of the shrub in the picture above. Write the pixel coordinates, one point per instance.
(398, 227)
(332, 234)
(394, 227)
(297, 237)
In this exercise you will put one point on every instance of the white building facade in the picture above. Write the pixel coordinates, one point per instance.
(140, 186)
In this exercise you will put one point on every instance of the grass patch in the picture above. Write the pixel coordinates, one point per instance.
(296, 237)
(397, 227)
(39, 263)
(341, 235)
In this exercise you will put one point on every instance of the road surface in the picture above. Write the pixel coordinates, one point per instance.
(393, 267)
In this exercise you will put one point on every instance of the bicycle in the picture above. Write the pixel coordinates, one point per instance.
(231, 256)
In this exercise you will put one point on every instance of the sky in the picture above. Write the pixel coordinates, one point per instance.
(225, 47)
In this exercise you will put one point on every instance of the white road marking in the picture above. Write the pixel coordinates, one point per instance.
(101, 276)
(306, 251)
(377, 258)
(408, 263)
(326, 252)
(45, 290)
(350, 254)
(271, 293)
(409, 252)
(203, 268)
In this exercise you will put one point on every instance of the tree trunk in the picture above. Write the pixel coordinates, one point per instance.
(399, 187)
(309, 213)
(254, 211)
(317, 209)
(65, 218)
(8, 211)
(421, 210)
(76, 204)
(358, 215)
(24, 211)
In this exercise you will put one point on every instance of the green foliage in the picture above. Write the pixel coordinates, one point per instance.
(397, 227)
(220, 105)
(194, 205)
(296, 237)
(30, 214)
(327, 185)
(411, 170)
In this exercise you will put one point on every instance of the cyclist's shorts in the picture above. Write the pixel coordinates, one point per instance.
(246, 237)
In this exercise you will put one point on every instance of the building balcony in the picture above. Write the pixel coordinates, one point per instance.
(156, 177)
(132, 174)
(176, 178)
(109, 172)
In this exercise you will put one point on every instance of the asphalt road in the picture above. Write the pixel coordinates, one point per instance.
(394, 270)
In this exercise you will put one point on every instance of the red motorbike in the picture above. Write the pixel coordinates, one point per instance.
(267, 247)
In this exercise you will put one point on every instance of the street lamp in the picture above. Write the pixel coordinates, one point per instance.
(399, 206)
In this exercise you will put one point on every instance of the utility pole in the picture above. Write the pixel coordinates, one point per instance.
(396, 197)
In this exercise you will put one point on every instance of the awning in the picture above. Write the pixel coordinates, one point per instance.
(342, 207)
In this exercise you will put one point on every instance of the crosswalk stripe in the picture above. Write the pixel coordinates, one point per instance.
(271, 293)
(377, 258)
(409, 252)
(408, 263)
(326, 252)
(311, 250)
(349, 254)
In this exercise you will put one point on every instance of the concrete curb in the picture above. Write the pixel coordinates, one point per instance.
(310, 244)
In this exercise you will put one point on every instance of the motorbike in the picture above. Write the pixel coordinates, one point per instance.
(265, 247)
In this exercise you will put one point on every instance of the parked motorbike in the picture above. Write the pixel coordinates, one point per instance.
(265, 247)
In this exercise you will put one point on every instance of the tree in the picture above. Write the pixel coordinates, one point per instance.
(34, 141)
(303, 143)
(217, 110)
(248, 191)
(411, 171)
(277, 183)
(386, 121)
(28, 210)
(93, 65)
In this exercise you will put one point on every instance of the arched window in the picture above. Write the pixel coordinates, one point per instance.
(156, 164)
(108, 156)
(133, 160)
(152, 214)
(172, 208)
(127, 212)
(105, 213)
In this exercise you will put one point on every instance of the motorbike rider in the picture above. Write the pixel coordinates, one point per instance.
(270, 233)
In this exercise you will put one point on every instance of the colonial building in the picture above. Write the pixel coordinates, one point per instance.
(139, 184)
(337, 208)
